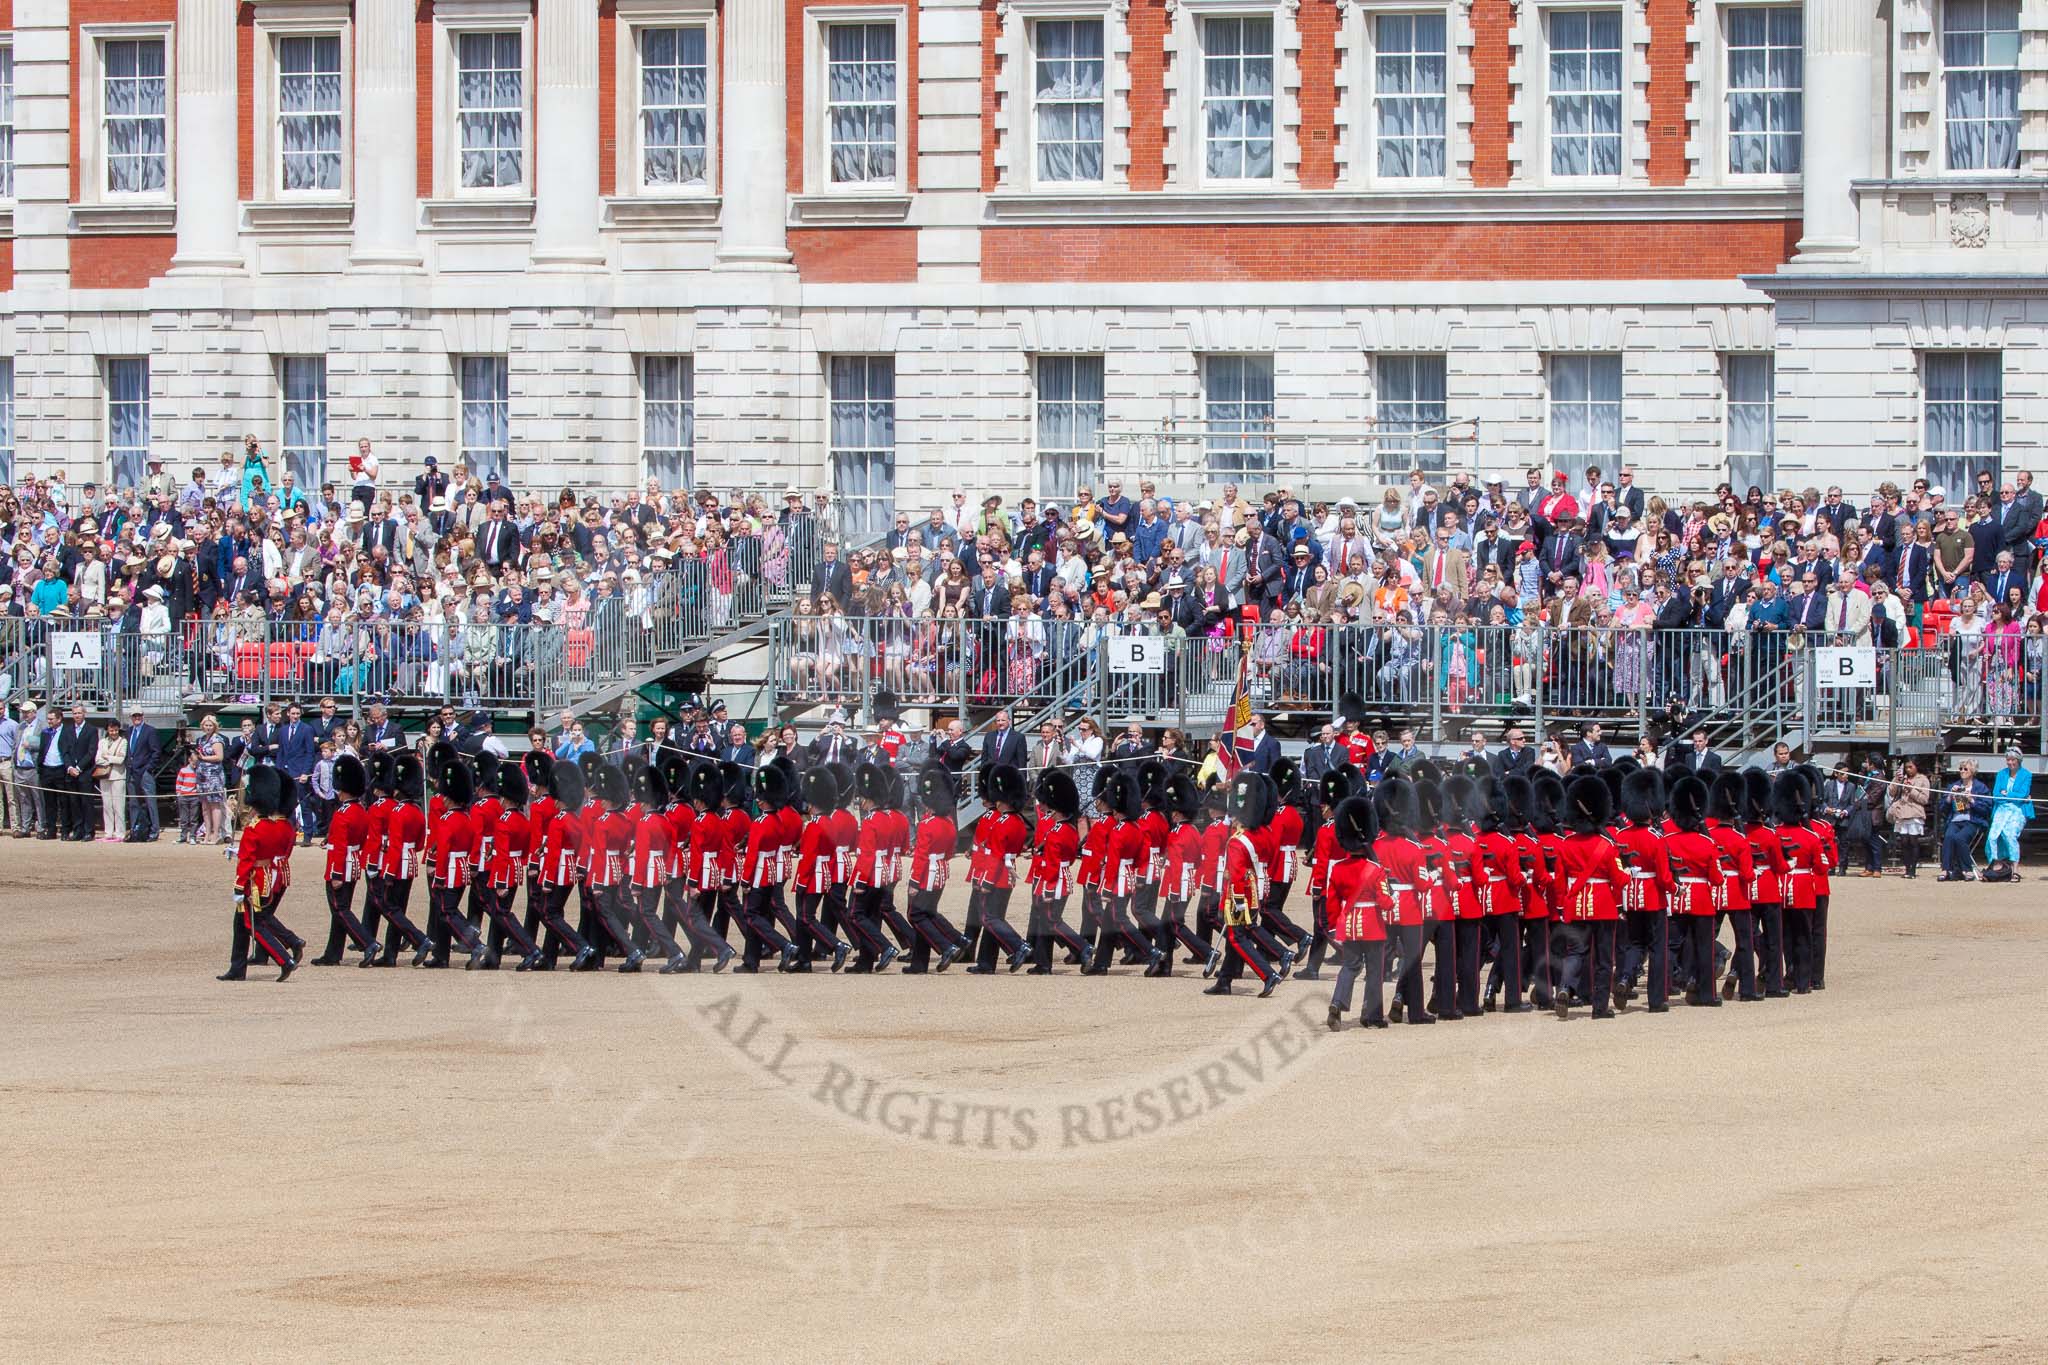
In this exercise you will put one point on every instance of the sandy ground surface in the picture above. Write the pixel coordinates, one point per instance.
(416, 1165)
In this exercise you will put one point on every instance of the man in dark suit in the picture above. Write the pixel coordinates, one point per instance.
(1323, 755)
(243, 579)
(298, 749)
(953, 751)
(1518, 759)
(1261, 750)
(1809, 606)
(145, 753)
(1628, 495)
(2002, 577)
(382, 732)
(1003, 744)
(2025, 517)
(736, 749)
(1695, 758)
(497, 541)
(1268, 578)
(1562, 556)
(327, 722)
(835, 745)
(77, 746)
(1835, 512)
(1591, 750)
(835, 580)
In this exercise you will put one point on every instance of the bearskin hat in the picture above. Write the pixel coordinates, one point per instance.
(487, 766)
(1457, 791)
(540, 767)
(651, 787)
(1351, 707)
(704, 785)
(439, 755)
(568, 787)
(383, 773)
(1479, 803)
(737, 781)
(1790, 798)
(409, 777)
(1393, 801)
(263, 790)
(819, 788)
(1642, 796)
(1689, 798)
(1004, 785)
(935, 790)
(1355, 825)
(1726, 797)
(773, 787)
(1549, 808)
(1253, 799)
(1340, 782)
(1587, 806)
(1058, 794)
(1151, 779)
(512, 786)
(848, 783)
(1216, 796)
(1756, 795)
(590, 765)
(458, 783)
(871, 784)
(675, 768)
(611, 787)
(1180, 796)
(1425, 770)
(1429, 805)
(1518, 796)
(351, 779)
(1286, 779)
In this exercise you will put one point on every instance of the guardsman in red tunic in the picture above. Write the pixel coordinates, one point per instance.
(1052, 871)
(1790, 797)
(1181, 876)
(347, 831)
(1151, 830)
(1767, 892)
(449, 841)
(817, 859)
(263, 872)
(1548, 822)
(1823, 880)
(1739, 880)
(610, 856)
(1095, 848)
(1401, 856)
(1590, 868)
(999, 837)
(1128, 851)
(896, 839)
(931, 857)
(1646, 895)
(1331, 790)
(761, 870)
(1464, 807)
(483, 821)
(538, 767)
(1440, 905)
(703, 875)
(1356, 904)
(512, 848)
(1701, 890)
(1504, 890)
(845, 830)
(1253, 799)
(872, 871)
(648, 872)
(398, 860)
(1208, 915)
(1282, 848)
(558, 851)
(378, 807)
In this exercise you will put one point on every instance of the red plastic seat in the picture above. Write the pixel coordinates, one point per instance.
(248, 662)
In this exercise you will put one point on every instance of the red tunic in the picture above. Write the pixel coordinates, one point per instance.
(483, 821)
(1467, 870)
(1696, 866)
(511, 842)
(1283, 833)
(1500, 877)
(1738, 869)
(379, 812)
(931, 854)
(263, 858)
(405, 838)
(1355, 908)
(710, 851)
(1536, 891)
(449, 841)
(1052, 863)
(1767, 866)
(1323, 858)
(1651, 883)
(613, 846)
(1183, 851)
(1830, 855)
(1244, 877)
(742, 827)
(652, 841)
(1128, 851)
(1592, 875)
(789, 827)
(1095, 850)
(816, 856)
(896, 843)
(871, 853)
(347, 833)
(1151, 828)
(1436, 861)
(561, 842)
(682, 826)
(1406, 889)
(998, 838)
(845, 829)
(1802, 865)
(1213, 838)
(764, 851)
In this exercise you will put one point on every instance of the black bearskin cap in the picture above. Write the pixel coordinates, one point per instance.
(351, 779)
(820, 789)
(1726, 797)
(773, 787)
(1756, 795)
(1587, 805)
(1689, 803)
(439, 755)
(1253, 799)
(1004, 784)
(1180, 796)
(512, 786)
(1058, 793)
(1340, 782)
(1287, 780)
(1790, 798)
(1393, 801)
(487, 766)
(651, 787)
(409, 776)
(540, 767)
(704, 785)
(871, 784)
(1642, 796)
(935, 790)
(568, 787)
(1356, 825)
(1518, 793)
(263, 790)
(458, 783)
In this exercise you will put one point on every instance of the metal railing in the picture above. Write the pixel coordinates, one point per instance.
(1747, 688)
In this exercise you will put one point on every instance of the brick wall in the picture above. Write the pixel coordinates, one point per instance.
(1224, 253)
(245, 101)
(906, 82)
(855, 255)
(123, 262)
(423, 72)
(1147, 21)
(991, 104)
(1492, 23)
(1669, 90)
(609, 58)
(1318, 21)
(6, 250)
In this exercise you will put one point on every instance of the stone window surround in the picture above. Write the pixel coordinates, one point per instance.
(1185, 152)
(1706, 107)
(817, 179)
(1916, 94)
(634, 16)
(1016, 145)
(1529, 87)
(96, 209)
(277, 19)
(1357, 154)
(452, 19)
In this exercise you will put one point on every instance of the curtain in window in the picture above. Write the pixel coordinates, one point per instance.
(864, 439)
(309, 108)
(305, 420)
(127, 421)
(135, 104)
(6, 422)
(486, 440)
(1980, 51)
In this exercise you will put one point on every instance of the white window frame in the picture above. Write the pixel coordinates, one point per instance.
(1411, 457)
(1242, 473)
(452, 20)
(1716, 94)
(7, 124)
(1198, 98)
(1577, 459)
(2021, 68)
(7, 382)
(504, 363)
(1621, 94)
(1032, 24)
(1729, 404)
(1187, 146)
(308, 486)
(107, 452)
(1996, 455)
(275, 21)
(1016, 48)
(634, 18)
(1368, 124)
(1040, 449)
(817, 177)
(881, 515)
(688, 404)
(1529, 117)
(90, 100)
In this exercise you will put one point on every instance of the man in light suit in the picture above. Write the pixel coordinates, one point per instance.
(1444, 567)
(1848, 612)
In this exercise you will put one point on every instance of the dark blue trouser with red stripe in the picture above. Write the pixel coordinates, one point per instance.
(1240, 951)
